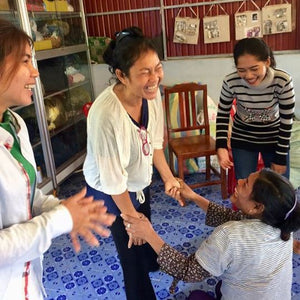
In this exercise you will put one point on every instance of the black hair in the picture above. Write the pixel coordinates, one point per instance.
(256, 47)
(129, 45)
(278, 196)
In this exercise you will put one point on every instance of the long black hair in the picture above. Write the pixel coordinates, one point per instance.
(281, 209)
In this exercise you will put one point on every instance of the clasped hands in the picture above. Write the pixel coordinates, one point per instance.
(138, 228)
(134, 239)
(89, 217)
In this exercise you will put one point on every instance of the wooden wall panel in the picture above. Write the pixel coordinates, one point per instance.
(108, 25)
(150, 21)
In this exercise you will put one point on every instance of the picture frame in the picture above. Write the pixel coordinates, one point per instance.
(216, 29)
(186, 29)
(277, 18)
(248, 24)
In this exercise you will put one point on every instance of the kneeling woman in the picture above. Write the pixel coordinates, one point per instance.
(250, 250)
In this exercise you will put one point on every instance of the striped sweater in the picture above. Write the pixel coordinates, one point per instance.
(264, 114)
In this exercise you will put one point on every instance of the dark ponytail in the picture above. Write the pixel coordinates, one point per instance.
(281, 209)
(129, 45)
(256, 47)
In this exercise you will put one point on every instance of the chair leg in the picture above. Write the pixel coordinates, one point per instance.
(224, 190)
(180, 168)
(207, 162)
(171, 161)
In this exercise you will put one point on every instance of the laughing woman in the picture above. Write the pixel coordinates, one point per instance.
(250, 250)
(125, 139)
(29, 220)
(265, 102)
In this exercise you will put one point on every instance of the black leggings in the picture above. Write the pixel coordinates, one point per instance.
(137, 261)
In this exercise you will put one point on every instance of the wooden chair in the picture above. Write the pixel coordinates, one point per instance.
(200, 143)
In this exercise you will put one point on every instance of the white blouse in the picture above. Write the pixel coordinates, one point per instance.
(115, 160)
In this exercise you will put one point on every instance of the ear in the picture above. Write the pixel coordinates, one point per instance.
(257, 209)
(268, 62)
(120, 75)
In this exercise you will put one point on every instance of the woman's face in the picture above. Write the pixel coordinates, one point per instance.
(241, 197)
(144, 76)
(19, 91)
(251, 69)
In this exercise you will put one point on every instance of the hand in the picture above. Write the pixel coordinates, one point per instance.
(280, 169)
(88, 216)
(296, 247)
(223, 158)
(172, 189)
(138, 227)
(185, 191)
(135, 240)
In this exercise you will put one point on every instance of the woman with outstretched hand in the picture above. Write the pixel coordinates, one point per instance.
(250, 250)
(125, 141)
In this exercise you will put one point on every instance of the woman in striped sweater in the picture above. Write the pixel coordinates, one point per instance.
(264, 113)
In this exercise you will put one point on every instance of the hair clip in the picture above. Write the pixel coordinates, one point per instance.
(120, 35)
(292, 209)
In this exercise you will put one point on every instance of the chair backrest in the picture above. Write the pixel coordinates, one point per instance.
(191, 99)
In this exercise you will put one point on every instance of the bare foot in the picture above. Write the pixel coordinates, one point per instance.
(296, 247)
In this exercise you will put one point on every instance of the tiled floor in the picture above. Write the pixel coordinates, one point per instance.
(95, 273)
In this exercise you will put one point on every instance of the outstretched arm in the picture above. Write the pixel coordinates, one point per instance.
(171, 184)
(188, 194)
(215, 214)
(142, 228)
(170, 260)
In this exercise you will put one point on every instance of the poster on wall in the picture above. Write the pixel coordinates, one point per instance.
(248, 24)
(186, 29)
(216, 29)
(277, 18)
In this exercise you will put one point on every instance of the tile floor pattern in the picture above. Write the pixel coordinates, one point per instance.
(95, 273)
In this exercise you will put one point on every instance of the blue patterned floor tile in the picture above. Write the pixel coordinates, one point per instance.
(95, 273)
(62, 295)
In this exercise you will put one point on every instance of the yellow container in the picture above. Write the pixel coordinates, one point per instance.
(42, 45)
(57, 5)
(4, 5)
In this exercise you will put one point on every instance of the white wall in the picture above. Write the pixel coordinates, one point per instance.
(205, 70)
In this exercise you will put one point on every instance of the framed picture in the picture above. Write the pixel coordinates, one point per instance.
(248, 24)
(186, 30)
(277, 18)
(216, 29)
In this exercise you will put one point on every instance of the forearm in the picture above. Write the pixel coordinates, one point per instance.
(287, 101)
(202, 202)
(124, 204)
(283, 144)
(29, 240)
(180, 267)
(155, 241)
(160, 163)
(217, 215)
(223, 116)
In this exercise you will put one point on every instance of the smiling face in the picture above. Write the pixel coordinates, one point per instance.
(242, 196)
(19, 90)
(144, 76)
(251, 69)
